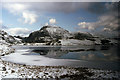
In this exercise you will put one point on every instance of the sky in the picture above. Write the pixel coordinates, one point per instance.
(22, 18)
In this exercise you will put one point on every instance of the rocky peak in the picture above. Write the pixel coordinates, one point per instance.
(48, 33)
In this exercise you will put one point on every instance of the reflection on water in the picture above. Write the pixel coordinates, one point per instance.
(102, 57)
(105, 47)
(95, 53)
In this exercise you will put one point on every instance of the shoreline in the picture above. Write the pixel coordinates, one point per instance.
(57, 72)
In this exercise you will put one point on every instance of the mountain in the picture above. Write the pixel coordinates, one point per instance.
(48, 34)
(82, 36)
(6, 38)
(53, 35)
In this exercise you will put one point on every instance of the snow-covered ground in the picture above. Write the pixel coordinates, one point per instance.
(5, 49)
(11, 70)
(76, 42)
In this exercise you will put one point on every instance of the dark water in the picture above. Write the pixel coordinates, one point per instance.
(105, 57)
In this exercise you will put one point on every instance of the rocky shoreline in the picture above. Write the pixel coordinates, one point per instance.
(19, 71)
(13, 70)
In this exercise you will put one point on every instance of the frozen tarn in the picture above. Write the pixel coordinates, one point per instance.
(24, 55)
(20, 56)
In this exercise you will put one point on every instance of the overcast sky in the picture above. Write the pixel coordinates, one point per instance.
(96, 17)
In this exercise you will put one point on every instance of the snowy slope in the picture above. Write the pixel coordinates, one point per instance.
(58, 31)
(7, 39)
(5, 49)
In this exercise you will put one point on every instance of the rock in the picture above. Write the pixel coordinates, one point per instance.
(12, 71)
(24, 65)
(82, 36)
(3, 55)
(105, 41)
(3, 68)
(46, 73)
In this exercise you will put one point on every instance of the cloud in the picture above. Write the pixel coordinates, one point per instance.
(29, 17)
(30, 11)
(86, 25)
(66, 7)
(107, 23)
(46, 24)
(38, 7)
(15, 8)
(18, 31)
(106, 29)
(52, 21)
(97, 8)
(111, 18)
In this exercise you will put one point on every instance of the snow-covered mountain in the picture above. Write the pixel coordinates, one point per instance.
(53, 35)
(55, 32)
(5, 38)
(48, 34)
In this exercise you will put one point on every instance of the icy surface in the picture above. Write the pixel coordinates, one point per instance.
(24, 55)
(19, 57)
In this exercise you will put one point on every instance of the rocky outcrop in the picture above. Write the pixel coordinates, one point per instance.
(83, 36)
(6, 38)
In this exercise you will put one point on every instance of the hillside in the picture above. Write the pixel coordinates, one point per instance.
(5, 38)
